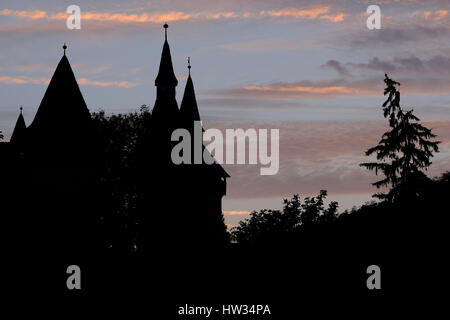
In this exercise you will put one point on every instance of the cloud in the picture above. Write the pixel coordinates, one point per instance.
(132, 18)
(103, 16)
(138, 70)
(323, 155)
(83, 81)
(97, 70)
(120, 84)
(31, 14)
(435, 65)
(84, 69)
(374, 64)
(337, 66)
(264, 45)
(23, 80)
(429, 77)
(305, 89)
(396, 35)
(311, 13)
(436, 15)
(314, 12)
(339, 17)
(234, 212)
(311, 90)
(28, 67)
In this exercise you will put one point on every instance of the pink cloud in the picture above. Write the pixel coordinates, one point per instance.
(23, 80)
(120, 84)
(28, 67)
(322, 155)
(370, 86)
(235, 212)
(314, 12)
(82, 81)
(436, 15)
(310, 13)
(339, 17)
(329, 90)
(31, 14)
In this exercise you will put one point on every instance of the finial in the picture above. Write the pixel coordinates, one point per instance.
(64, 47)
(165, 29)
(21, 109)
(189, 65)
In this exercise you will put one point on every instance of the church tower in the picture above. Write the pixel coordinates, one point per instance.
(189, 109)
(61, 167)
(62, 125)
(165, 110)
(180, 203)
(205, 184)
(158, 186)
(165, 115)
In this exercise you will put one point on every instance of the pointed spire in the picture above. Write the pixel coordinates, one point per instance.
(166, 107)
(189, 109)
(166, 76)
(62, 106)
(19, 130)
(64, 48)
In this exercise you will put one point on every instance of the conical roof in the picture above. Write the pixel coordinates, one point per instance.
(189, 109)
(62, 107)
(19, 130)
(61, 133)
(166, 76)
(189, 114)
(165, 112)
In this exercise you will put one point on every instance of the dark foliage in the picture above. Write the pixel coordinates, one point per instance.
(118, 135)
(295, 216)
(403, 151)
(413, 202)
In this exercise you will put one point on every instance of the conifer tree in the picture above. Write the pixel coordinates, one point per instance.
(403, 152)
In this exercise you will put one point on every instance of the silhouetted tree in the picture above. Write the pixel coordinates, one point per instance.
(1, 136)
(269, 224)
(312, 208)
(403, 151)
(118, 135)
(330, 214)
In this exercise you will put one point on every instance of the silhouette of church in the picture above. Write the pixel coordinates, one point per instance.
(54, 196)
(192, 192)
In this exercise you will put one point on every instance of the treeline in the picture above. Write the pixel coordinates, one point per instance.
(413, 207)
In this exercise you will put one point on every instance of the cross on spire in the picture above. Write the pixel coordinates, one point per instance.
(20, 108)
(64, 48)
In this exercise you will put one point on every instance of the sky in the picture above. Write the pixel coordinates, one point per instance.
(311, 69)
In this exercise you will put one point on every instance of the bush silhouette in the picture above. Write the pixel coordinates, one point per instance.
(271, 225)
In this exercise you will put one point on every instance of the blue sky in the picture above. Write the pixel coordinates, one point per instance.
(310, 68)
